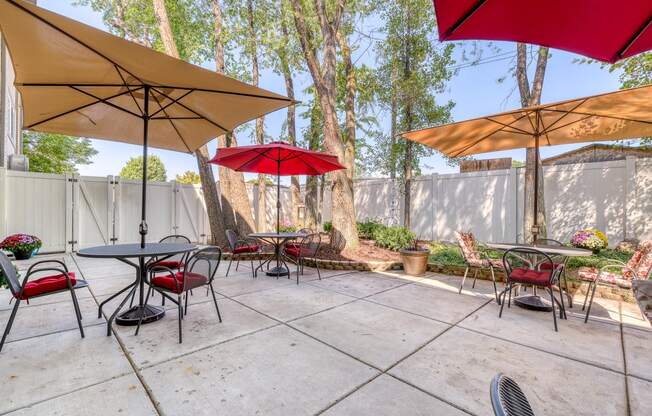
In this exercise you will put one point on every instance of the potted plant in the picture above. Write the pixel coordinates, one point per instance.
(23, 246)
(590, 239)
(415, 258)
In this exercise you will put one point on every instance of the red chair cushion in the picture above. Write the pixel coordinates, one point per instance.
(293, 251)
(292, 245)
(530, 277)
(167, 282)
(548, 266)
(47, 284)
(246, 249)
(171, 264)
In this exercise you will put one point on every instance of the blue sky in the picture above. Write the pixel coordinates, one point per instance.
(475, 90)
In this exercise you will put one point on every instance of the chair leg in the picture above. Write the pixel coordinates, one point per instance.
(588, 310)
(219, 316)
(568, 294)
(237, 264)
(586, 297)
(554, 314)
(463, 279)
(475, 278)
(493, 279)
(298, 267)
(185, 308)
(251, 260)
(229, 268)
(77, 311)
(562, 312)
(317, 267)
(180, 309)
(10, 323)
(502, 304)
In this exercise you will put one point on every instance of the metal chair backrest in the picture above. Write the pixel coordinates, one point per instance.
(640, 262)
(468, 246)
(175, 238)
(306, 231)
(311, 244)
(507, 398)
(232, 239)
(529, 258)
(9, 271)
(208, 259)
(551, 242)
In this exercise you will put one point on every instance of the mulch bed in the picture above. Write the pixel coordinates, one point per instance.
(366, 251)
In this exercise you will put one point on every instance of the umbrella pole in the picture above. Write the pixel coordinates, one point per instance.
(278, 195)
(143, 214)
(535, 224)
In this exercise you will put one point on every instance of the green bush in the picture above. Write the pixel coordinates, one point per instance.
(369, 229)
(598, 260)
(445, 254)
(394, 238)
(328, 226)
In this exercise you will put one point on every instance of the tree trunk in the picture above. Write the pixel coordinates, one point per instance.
(344, 234)
(312, 200)
(209, 187)
(393, 129)
(530, 96)
(349, 106)
(409, 145)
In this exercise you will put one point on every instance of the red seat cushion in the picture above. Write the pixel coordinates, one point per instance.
(167, 282)
(292, 245)
(47, 284)
(293, 251)
(171, 264)
(530, 277)
(547, 266)
(246, 249)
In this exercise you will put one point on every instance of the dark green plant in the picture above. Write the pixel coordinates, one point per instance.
(369, 229)
(328, 226)
(395, 238)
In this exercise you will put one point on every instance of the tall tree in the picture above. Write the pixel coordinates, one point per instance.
(313, 136)
(415, 69)
(133, 169)
(56, 153)
(323, 72)
(531, 95)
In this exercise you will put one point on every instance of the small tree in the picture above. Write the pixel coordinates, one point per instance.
(189, 177)
(56, 153)
(133, 169)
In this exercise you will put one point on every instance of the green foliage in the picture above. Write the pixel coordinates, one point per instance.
(517, 164)
(394, 238)
(328, 226)
(598, 260)
(369, 229)
(445, 254)
(56, 153)
(133, 169)
(268, 181)
(189, 177)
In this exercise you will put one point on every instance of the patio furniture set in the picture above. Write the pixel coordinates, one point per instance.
(173, 267)
(542, 265)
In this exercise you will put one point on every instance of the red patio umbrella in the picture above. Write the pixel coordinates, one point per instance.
(277, 158)
(606, 30)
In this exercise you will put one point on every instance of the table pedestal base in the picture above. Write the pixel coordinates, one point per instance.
(278, 271)
(132, 315)
(533, 302)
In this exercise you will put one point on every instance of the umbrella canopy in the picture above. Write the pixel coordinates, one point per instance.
(277, 158)
(606, 30)
(78, 80)
(624, 114)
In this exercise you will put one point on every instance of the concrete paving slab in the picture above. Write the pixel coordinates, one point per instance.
(110, 285)
(638, 348)
(293, 301)
(7, 300)
(631, 316)
(273, 372)
(359, 284)
(439, 304)
(38, 369)
(483, 288)
(49, 318)
(239, 285)
(459, 365)
(387, 396)
(640, 399)
(373, 333)
(122, 395)
(159, 341)
(594, 342)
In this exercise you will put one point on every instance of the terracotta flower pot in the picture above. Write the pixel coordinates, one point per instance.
(415, 262)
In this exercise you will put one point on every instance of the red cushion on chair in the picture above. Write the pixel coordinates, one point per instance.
(293, 251)
(171, 264)
(292, 245)
(530, 277)
(246, 249)
(167, 282)
(547, 266)
(47, 284)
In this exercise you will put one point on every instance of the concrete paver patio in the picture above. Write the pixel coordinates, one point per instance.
(349, 344)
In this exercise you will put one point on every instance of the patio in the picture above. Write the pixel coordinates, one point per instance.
(352, 343)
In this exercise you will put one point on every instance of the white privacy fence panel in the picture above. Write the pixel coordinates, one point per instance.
(93, 211)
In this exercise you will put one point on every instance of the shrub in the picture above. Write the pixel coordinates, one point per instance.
(328, 226)
(369, 229)
(394, 238)
(590, 239)
(445, 254)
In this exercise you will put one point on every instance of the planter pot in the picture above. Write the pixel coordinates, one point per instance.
(23, 255)
(415, 262)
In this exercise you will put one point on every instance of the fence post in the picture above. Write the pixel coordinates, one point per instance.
(512, 184)
(3, 202)
(174, 200)
(434, 183)
(629, 229)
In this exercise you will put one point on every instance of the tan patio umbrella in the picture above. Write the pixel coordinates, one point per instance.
(624, 114)
(80, 81)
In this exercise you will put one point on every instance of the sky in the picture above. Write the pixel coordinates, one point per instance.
(476, 91)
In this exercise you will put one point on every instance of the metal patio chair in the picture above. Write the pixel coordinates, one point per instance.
(200, 270)
(476, 260)
(307, 246)
(507, 398)
(175, 262)
(62, 281)
(531, 267)
(241, 247)
(559, 261)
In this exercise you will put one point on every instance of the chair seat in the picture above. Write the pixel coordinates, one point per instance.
(297, 251)
(47, 284)
(247, 249)
(547, 266)
(483, 263)
(530, 277)
(590, 274)
(293, 245)
(167, 282)
(171, 264)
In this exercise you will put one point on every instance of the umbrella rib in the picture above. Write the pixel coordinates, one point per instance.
(124, 81)
(252, 159)
(105, 101)
(565, 114)
(172, 123)
(243, 94)
(58, 29)
(603, 115)
(464, 18)
(568, 124)
(75, 109)
(634, 38)
(516, 129)
(193, 111)
(464, 149)
(171, 103)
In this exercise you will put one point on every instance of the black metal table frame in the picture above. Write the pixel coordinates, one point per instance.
(281, 268)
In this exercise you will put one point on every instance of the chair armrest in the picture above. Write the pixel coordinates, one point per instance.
(38, 263)
(619, 265)
(168, 270)
(31, 271)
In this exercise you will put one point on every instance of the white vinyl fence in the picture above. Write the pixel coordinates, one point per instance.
(69, 212)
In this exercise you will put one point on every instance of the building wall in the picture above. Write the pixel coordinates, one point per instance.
(10, 109)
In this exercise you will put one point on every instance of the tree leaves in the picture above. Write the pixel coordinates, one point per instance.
(133, 169)
(56, 153)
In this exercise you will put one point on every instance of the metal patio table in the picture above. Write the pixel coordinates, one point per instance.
(146, 257)
(536, 302)
(277, 240)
